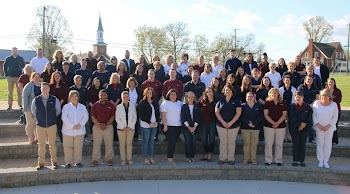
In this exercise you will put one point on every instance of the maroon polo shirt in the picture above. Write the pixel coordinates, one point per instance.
(208, 110)
(275, 112)
(176, 84)
(156, 85)
(198, 68)
(23, 79)
(263, 68)
(103, 112)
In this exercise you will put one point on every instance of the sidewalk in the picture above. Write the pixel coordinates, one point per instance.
(183, 187)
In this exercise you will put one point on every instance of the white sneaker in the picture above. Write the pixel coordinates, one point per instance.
(326, 165)
(320, 165)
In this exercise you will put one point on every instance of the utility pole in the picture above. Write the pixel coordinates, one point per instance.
(348, 51)
(235, 38)
(44, 9)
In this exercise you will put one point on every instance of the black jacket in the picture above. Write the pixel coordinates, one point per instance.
(297, 115)
(132, 67)
(145, 111)
(324, 74)
(186, 115)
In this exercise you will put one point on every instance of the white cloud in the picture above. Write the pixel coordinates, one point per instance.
(245, 20)
(289, 25)
(341, 28)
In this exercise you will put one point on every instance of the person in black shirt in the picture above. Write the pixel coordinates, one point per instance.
(188, 77)
(78, 80)
(159, 71)
(233, 63)
(67, 75)
(195, 86)
(85, 73)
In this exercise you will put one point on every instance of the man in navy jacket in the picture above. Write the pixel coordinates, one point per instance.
(232, 64)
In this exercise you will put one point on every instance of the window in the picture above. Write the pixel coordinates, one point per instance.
(316, 54)
(332, 64)
(336, 54)
(306, 55)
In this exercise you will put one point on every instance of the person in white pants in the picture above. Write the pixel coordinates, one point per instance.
(325, 116)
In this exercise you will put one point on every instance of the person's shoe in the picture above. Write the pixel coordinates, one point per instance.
(9, 108)
(279, 164)
(171, 160)
(231, 162)
(110, 163)
(136, 139)
(254, 162)
(94, 163)
(203, 159)
(130, 162)
(295, 164)
(55, 165)
(156, 139)
(326, 165)
(187, 160)
(267, 164)
(245, 162)
(320, 164)
(122, 163)
(302, 164)
(289, 141)
(152, 161)
(79, 165)
(146, 161)
(68, 165)
(193, 160)
(40, 166)
(221, 162)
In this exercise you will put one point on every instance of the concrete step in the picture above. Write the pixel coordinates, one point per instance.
(22, 172)
(11, 130)
(20, 148)
(10, 114)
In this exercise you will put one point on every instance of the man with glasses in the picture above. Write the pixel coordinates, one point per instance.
(195, 86)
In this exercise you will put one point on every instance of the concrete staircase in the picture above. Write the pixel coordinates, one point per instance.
(18, 160)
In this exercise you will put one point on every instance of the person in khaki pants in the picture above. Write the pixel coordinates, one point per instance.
(275, 111)
(126, 117)
(74, 117)
(251, 120)
(102, 115)
(45, 109)
(227, 111)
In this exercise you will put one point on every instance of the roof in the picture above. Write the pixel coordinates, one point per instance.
(327, 48)
(100, 28)
(27, 55)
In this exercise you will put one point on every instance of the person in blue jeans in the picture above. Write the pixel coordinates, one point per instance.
(208, 123)
(190, 117)
(149, 115)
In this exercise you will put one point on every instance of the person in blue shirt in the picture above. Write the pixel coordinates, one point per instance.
(233, 63)
(102, 73)
(228, 110)
(83, 99)
(317, 80)
(74, 65)
(85, 73)
(112, 68)
(294, 75)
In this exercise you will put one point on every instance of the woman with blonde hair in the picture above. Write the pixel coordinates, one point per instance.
(114, 89)
(275, 111)
(216, 67)
(325, 117)
(190, 118)
(57, 60)
(207, 75)
(74, 117)
(246, 87)
(74, 64)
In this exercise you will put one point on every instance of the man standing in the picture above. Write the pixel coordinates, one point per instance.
(102, 115)
(321, 70)
(153, 83)
(85, 73)
(130, 63)
(39, 62)
(13, 67)
(195, 86)
(45, 109)
(232, 64)
(173, 83)
(91, 62)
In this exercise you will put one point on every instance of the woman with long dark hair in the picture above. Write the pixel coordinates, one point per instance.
(46, 74)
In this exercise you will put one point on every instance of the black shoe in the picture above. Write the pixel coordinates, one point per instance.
(136, 139)
(68, 165)
(221, 162)
(295, 164)
(267, 164)
(79, 165)
(231, 162)
(9, 108)
(302, 164)
(55, 165)
(279, 164)
(156, 139)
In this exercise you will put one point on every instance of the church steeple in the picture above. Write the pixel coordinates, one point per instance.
(99, 34)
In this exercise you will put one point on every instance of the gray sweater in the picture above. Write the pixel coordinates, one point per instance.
(28, 96)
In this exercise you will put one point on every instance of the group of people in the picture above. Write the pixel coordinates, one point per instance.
(265, 101)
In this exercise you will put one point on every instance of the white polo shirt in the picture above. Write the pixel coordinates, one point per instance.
(38, 64)
(275, 78)
(173, 112)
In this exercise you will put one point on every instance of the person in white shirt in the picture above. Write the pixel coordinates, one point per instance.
(125, 116)
(184, 64)
(207, 75)
(274, 76)
(74, 117)
(39, 62)
(325, 116)
(167, 66)
(171, 117)
(216, 66)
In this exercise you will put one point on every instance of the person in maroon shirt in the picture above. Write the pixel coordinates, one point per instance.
(200, 66)
(264, 65)
(22, 81)
(275, 111)
(173, 83)
(337, 97)
(102, 114)
(154, 84)
(208, 123)
(60, 90)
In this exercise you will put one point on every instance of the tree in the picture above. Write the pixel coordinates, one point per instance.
(318, 29)
(57, 32)
(201, 47)
(150, 41)
(177, 38)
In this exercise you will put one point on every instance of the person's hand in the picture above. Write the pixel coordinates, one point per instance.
(275, 125)
(103, 126)
(77, 127)
(90, 104)
(226, 125)
(320, 126)
(165, 128)
(251, 124)
(152, 125)
(302, 126)
(325, 128)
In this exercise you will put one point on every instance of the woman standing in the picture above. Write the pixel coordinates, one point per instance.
(93, 91)
(231, 80)
(57, 61)
(274, 76)
(245, 88)
(281, 66)
(239, 76)
(46, 74)
(74, 64)
(216, 66)
(74, 117)
(123, 73)
(275, 111)
(30, 91)
(207, 75)
(222, 77)
(171, 117)
(227, 111)
(139, 75)
(263, 90)
(190, 118)
(299, 66)
(325, 117)
(215, 86)
(299, 122)
(252, 118)
(208, 123)
(337, 97)
(294, 76)
(256, 79)
(184, 64)
(102, 73)
(149, 119)
(249, 64)
(125, 116)
(114, 89)
(112, 68)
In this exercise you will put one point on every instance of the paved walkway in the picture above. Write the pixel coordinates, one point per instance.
(183, 187)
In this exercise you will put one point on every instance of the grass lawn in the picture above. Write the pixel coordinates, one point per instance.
(343, 83)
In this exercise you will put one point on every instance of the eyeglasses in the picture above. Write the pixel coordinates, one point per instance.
(272, 67)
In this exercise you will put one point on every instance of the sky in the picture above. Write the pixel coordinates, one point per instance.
(278, 25)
